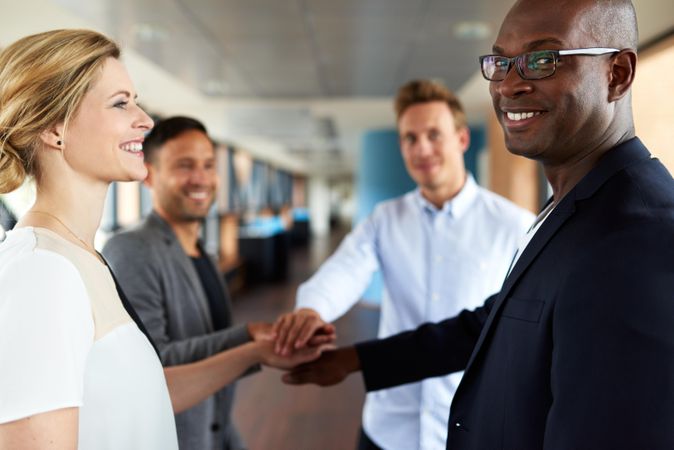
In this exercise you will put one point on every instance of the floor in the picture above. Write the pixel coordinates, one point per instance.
(273, 416)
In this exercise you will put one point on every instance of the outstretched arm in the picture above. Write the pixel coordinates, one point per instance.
(332, 290)
(431, 350)
(189, 384)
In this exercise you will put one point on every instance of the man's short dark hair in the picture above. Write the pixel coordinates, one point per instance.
(424, 91)
(167, 129)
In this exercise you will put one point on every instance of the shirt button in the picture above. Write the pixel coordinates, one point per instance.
(435, 296)
(215, 427)
(439, 259)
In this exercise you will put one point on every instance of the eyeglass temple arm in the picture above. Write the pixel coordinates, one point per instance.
(589, 51)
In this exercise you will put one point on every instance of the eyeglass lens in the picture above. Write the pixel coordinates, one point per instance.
(530, 66)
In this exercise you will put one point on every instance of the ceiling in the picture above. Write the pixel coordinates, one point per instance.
(294, 81)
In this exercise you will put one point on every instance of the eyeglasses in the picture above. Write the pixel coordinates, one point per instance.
(532, 65)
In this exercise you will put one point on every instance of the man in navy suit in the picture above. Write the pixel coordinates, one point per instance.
(577, 350)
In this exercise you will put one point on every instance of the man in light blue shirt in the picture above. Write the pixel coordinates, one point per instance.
(444, 247)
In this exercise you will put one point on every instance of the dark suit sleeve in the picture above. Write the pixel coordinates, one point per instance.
(135, 266)
(612, 374)
(431, 350)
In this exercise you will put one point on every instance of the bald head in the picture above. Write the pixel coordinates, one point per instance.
(613, 22)
(607, 23)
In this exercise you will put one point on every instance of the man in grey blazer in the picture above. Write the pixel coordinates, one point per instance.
(174, 286)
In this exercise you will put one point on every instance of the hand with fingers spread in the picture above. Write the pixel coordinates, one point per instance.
(269, 357)
(298, 329)
(331, 368)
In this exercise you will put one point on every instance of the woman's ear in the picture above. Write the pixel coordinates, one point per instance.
(52, 137)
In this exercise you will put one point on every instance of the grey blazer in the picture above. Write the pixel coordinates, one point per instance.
(164, 288)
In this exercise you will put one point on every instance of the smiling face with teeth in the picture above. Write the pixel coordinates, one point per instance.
(561, 119)
(103, 141)
(183, 177)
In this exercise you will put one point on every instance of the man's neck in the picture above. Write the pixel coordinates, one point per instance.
(187, 233)
(439, 195)
(564, 177)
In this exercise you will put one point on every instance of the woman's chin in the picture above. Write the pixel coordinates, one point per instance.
(136, 174)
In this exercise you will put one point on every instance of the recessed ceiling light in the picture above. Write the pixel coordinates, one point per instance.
(472, 30)
(149, 32)
(215, 87)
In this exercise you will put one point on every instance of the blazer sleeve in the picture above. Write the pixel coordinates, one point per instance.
(431, 350)
(612, 374)
(134, 263)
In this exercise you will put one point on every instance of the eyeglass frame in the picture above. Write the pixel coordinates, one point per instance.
(516, 60)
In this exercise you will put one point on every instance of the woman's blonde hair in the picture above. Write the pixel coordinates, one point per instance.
(43, 79)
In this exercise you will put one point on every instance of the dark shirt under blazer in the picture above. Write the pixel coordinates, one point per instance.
(164, 288)
(577, 350)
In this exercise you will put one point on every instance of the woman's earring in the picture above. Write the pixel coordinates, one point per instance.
(59, 143)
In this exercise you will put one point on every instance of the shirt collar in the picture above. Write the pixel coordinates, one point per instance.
(456, 207)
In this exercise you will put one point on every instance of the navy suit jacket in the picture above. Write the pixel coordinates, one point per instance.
(577, 350)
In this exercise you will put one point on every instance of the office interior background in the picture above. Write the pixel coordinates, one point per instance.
(298, 95)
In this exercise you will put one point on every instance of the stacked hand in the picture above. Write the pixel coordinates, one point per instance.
(269, 357)
(302, 343)
(331, 368)
(295, 332)
(261, 331)
(294, 339)
(301, 328)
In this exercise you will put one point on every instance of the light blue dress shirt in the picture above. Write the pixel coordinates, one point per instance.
(435, 263)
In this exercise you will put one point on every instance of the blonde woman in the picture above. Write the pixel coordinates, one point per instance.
(76, 368)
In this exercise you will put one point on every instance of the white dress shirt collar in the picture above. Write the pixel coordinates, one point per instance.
(455, 207)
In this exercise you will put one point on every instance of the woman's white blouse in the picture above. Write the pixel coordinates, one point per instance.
(67, 341)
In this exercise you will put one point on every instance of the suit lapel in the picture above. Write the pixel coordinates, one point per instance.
(547, 230)
(176, 253)
(615, 160)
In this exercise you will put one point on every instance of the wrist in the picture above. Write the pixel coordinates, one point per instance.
(254, 352)
(350, 359)
(250, 329)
